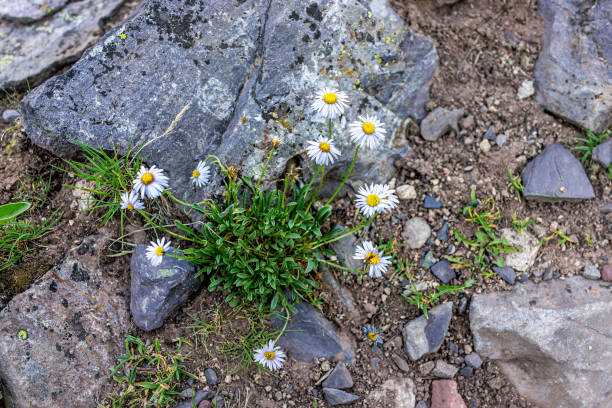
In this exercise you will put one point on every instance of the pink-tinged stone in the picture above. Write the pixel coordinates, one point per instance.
(205, 404)
(444, 395)
(606, 273)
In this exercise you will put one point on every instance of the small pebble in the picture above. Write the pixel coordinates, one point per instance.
(432, 202)
(523, 278)
(421, 404)
(452, 347)
(406, 192)
(444, 370)
(591, 272)
(473, 360)
(485, 146)
(428, 260)
(443, 232)
(506, 273)
(10, 115)
(606, 273)
(462, 305)
(211, 377)
(427, 367)
(466, 371)
(490, 133)
(500, 140)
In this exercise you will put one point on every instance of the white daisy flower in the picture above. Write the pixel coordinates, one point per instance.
(322, 151)
(368, 253)
(130, 201)
(368, 131)
(201, 174)
(375, 198)
(150, 182)
(330, 103)
(157, 250)
(270, 356)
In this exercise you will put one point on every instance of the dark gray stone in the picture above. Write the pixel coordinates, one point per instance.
(466, 371)
(556, 175)
(506, 273)
(157, 291)
(443, 271)
(401, 363)
(309, 334)
(211, 377)
(195, 399)
(425, 335)
(462, 305)
(444, 370)
(10, 115)
(339, 378)
(452, 347)
(473, 360)
(603, 153)
(344, 249)
(573, 73)
(257, 60)
(432, 202)
(552, 340)
(442, 233)
(440, 121)
(337, 397)
(38, 48)
(218, 402)
(73, 321)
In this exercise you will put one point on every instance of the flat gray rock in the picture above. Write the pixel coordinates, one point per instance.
(603, 153)
(443, 271)
(552, 340)
(573, 73)
(25, 11)
(339, 378)
(422, 335)
(556, 175)
(338, 397)
(416, 232)
(247, 69)
(309, 334)
(157, 291)
(59, 338)
(440, 121)
(33, 51)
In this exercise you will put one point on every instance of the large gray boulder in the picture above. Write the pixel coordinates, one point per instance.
(157, 291)
(39, 37)
(552, 340)
(573, 73)
(247, 70)
(59, 338)
(556, 175)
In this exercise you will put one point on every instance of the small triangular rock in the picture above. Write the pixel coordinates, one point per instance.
(339, 378)
(603, 153)
(337, 397)
(556, 175)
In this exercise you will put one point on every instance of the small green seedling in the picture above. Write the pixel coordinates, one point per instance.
(516, 184)
(520, 225)
(588, 143)
(430, 298)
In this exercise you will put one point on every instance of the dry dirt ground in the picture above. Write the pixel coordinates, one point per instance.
(486, 49)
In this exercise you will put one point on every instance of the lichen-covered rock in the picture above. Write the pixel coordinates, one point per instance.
(574, 70)
(59, 338)
(245, 69)
(552, 340)
(157, 291)
(48, 40)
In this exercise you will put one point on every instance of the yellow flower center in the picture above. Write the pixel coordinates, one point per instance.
(373, 200)
(195, 174)
(130, 206)
(372, 258)
(373, 336)
(147, 179)
(159, 251)
(324, 147)
(368, 128)
(269, 355)
(330, 98)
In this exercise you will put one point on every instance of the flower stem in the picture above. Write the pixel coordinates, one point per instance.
(284, 327)
(314, 197)
(161, 227)
(343, 234)
(330, 129)
(265, 167)
(346, 176)
(335, 265)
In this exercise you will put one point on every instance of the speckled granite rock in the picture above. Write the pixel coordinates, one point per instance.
(247, 68)
(552, 340)
(49, 40)
(59, 337)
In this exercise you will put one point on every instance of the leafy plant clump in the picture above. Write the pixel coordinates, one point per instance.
(150, 376)
(259, 244)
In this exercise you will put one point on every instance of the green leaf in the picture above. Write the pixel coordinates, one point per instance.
(12, 210)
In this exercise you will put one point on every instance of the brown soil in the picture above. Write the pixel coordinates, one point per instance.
(486, 49)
